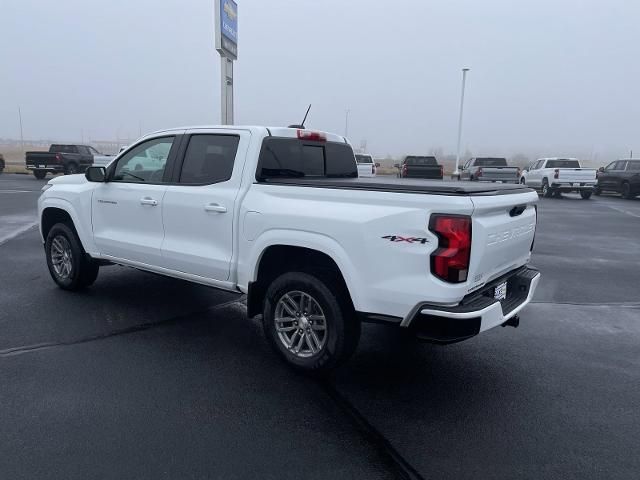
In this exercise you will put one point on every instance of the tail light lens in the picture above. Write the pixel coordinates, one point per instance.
(404, 170)
(373, 169)
(519, 172)
(556, 173)
(58, 158)
(441, 171)
(479, 174)
(450, 261)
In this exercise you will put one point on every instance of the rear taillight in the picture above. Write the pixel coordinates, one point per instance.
(519, 172)
(450, 261)
(404, 170)
(373, 169)
(441, 171)
(479, 174)
(556, 173)
(58, 158)
(315, 136)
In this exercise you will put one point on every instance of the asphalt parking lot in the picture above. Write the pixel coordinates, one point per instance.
(147, 377)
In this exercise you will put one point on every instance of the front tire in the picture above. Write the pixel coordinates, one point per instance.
(68, 263)
(39, 174)
(310, 322)
(585, 194)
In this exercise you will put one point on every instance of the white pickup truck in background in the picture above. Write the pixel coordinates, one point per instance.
(366, 165)
(277, 214)
(554, 176)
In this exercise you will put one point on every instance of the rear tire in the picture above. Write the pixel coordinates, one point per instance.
(626, 191)
(309, 321)
(69, 265)
(71, 169)
(546, 189)
(39, 174)
(586, 194)
(597, 191)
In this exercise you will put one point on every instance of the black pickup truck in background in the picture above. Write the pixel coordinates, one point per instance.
(413, 166)
(621, 176)
(67, 159)
(1, 163)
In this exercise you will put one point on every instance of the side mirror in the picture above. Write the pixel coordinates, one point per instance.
(96, 174)
(397, 165)
(377, 164)
(601, 169)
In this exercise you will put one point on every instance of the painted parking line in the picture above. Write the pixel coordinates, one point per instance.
(14, 225)
(622, 210)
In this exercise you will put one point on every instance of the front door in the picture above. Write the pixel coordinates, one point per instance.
(199, 205)
(127, 210)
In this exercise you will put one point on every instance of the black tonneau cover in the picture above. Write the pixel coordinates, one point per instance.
(404, 185)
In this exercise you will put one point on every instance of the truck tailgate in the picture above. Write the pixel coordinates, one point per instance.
(507, 174)
(503, 229)
(576, 175)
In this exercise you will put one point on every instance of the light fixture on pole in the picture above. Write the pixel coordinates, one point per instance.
(464, 79)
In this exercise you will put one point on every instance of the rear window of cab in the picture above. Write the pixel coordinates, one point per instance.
(295, 158)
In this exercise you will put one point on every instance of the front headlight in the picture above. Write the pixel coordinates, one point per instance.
(46, 187)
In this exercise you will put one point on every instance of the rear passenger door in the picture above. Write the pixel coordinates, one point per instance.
(199, 205)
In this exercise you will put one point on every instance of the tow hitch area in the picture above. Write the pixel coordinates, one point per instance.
(512, 322)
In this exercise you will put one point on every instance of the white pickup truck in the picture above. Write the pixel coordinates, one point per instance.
(553, 176)
(277, 214)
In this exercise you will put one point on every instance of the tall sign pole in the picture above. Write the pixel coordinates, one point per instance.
(464, 79)
(226, 15)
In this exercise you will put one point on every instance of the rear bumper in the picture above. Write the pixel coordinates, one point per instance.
(476, 312)
(46, 168)
(573, 187)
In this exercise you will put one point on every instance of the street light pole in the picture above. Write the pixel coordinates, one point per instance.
(21, 134)
(464, 79)
(346, 124)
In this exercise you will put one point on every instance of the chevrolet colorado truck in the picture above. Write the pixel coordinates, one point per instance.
(553, 176)
(67, 159)
(279, 215)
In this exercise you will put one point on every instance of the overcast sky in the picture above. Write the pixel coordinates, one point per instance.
(547, 76)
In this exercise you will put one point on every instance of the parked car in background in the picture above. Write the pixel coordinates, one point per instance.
(621, 176)
(553, 176)
(366, 165)
(67, 159)
(278, 214)
(1, 163)
(489, 169)
(413, 166)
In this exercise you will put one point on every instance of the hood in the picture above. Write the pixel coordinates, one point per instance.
(69, 180)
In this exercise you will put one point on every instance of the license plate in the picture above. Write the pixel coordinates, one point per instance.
(41, 166)
(500, 292)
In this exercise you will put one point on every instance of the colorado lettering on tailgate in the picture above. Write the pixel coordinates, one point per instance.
(505, 236)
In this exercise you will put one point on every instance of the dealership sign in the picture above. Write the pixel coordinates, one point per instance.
(227, 28)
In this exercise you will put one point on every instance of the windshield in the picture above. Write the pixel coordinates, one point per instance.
(563, 163)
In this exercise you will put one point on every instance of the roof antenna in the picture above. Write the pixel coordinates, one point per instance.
(303, 120)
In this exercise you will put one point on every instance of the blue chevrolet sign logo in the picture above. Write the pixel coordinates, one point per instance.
(229, 19)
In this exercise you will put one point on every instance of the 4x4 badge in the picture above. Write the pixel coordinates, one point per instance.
(398, 239)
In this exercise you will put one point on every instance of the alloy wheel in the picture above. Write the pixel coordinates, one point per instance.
(300, 324)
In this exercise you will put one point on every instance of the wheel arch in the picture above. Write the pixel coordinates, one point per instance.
(280, 257)
(56, 210)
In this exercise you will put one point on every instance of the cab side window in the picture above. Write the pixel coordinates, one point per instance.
(209, 159)
(144, 163)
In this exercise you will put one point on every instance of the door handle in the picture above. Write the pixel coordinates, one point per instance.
(148, 201)
(215, 207)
